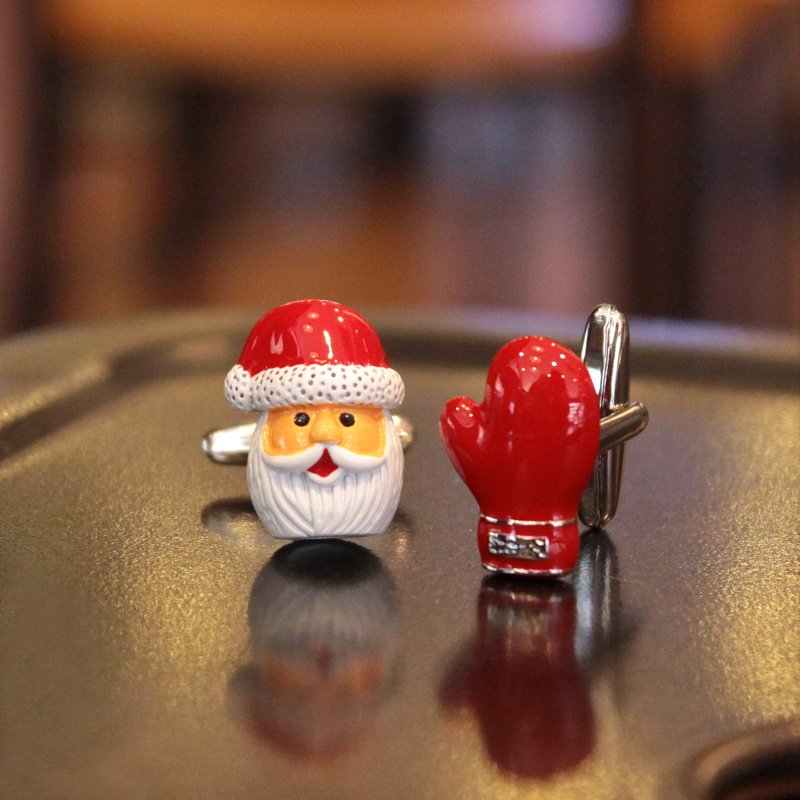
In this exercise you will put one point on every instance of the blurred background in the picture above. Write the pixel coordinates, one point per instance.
(541, 154)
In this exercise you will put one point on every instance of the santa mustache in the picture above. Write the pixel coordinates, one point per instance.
(342, 457)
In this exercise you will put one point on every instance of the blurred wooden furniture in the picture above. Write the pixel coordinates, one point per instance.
(390, 236)
(717, 184)
(693, 40)
(15, 128)
(363, 41)
(525, 114)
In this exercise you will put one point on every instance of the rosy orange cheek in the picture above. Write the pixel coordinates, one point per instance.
(281, 435)
(368, 435)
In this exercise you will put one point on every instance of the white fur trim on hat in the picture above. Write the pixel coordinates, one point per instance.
(343, 384)
(237, 388)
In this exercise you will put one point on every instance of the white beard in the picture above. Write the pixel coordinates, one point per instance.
(360, 498)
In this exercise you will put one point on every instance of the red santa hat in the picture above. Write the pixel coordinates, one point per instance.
(312, 351)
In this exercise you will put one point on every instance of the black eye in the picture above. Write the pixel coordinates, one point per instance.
(301, 419)
(347, 419)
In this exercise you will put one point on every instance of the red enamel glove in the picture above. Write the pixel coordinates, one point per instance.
(526, 453)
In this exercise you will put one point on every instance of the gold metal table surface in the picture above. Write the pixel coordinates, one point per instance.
(134, 614)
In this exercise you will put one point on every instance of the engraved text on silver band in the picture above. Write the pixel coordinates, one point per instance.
(535, 548)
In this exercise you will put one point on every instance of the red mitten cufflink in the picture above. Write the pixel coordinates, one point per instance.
(546, 440)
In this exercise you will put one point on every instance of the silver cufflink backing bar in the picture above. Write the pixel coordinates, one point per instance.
(605, 351)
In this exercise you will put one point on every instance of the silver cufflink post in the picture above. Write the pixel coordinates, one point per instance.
(605, 351)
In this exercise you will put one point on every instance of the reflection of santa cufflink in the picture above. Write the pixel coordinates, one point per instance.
(326, 456)
(323, 626)
(546, 445)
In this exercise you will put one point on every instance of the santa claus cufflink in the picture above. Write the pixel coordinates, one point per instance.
(326, 456)
(546, 445)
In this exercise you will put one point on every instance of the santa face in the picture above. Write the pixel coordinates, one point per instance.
(325, 470)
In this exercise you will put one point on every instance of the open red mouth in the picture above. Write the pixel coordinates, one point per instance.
(325, 466)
